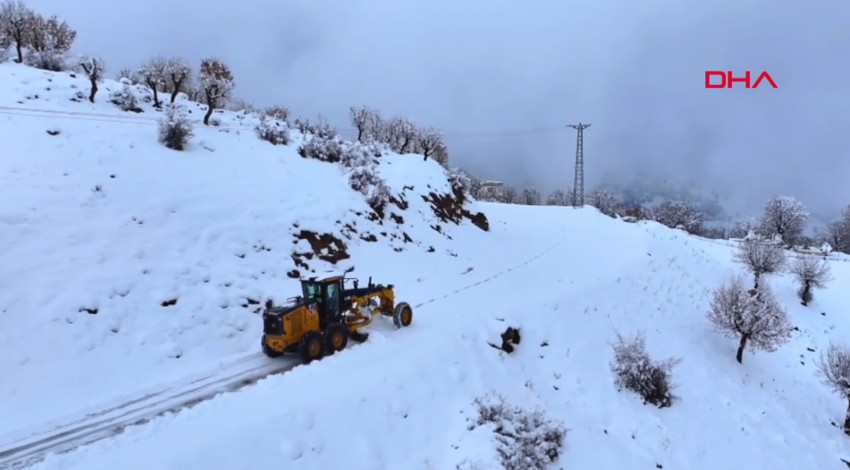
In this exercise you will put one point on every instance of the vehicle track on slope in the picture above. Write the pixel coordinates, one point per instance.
(112, 420)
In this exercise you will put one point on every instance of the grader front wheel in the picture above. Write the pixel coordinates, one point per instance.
(403, 314)
(311, 346)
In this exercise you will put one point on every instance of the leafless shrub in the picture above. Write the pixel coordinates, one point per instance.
(635, 370)
(175, 128)
(811, 273)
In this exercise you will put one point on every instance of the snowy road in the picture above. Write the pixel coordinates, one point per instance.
(112, 419)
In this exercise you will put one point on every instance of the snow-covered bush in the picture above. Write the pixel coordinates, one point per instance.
(527, 439)
(834, 369)
(760, 256)
(175, 128)
(366, 181)
(125, 98)
(753, 317)
(272, 131)
(321, 129)
(811, 273)
(635, 370)
(323, 149)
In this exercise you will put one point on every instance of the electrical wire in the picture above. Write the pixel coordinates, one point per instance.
(137, 119)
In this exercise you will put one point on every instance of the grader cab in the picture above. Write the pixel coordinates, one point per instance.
(326, 315)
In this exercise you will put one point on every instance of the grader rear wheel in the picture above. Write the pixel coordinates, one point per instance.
(311, 346)
(403, 314)
(337, 338)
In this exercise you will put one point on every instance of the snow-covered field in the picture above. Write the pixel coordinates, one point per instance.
(101, 216)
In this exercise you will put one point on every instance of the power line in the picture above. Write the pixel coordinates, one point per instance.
(137, 119)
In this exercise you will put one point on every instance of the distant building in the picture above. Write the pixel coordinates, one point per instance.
(491, 190)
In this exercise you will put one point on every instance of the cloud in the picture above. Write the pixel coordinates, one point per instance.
(634, 70)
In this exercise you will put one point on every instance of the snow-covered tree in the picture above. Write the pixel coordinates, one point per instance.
(557, 197)
(753, 317)
(175, 128)
(605, 201)
(635, 370)
(837, 233)
(677, 214)
(50, 41)
(153, 74)
(760, 256)
(93, 68)
(834, 369)
(530, 197)
(811, 273)
(401, 134)
(510, 195)
(784, 216)
(216, 83)
(178, 77)
(368, 123)
(429, 142)
(16, 25)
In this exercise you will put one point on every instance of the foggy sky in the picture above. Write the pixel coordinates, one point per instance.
(475, 68)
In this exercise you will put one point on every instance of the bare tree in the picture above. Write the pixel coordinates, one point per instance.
(784, 216)
(510, 195)
(834, 369)
(605, 201)
(754, 317)
(760, 256)
(50, 40)
(837, 233)
(153, 74)
(216, 83)
(558, 197)
(811, 273)
(178, 77)
(677, 214)
(93, 68)
(530, 197)
(16, 23)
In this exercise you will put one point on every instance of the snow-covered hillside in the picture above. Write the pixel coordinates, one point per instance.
(100, 216)
(122, 256)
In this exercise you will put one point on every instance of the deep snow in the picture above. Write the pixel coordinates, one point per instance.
(174, 225)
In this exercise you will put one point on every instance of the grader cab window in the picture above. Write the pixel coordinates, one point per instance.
(312, 290)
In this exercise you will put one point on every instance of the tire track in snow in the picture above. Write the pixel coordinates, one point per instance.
(113, 420)
(110, 421)
(494, 276)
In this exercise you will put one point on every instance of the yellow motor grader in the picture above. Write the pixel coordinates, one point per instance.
(326, 315)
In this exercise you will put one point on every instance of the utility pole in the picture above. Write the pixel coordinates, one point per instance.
(578, 184)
